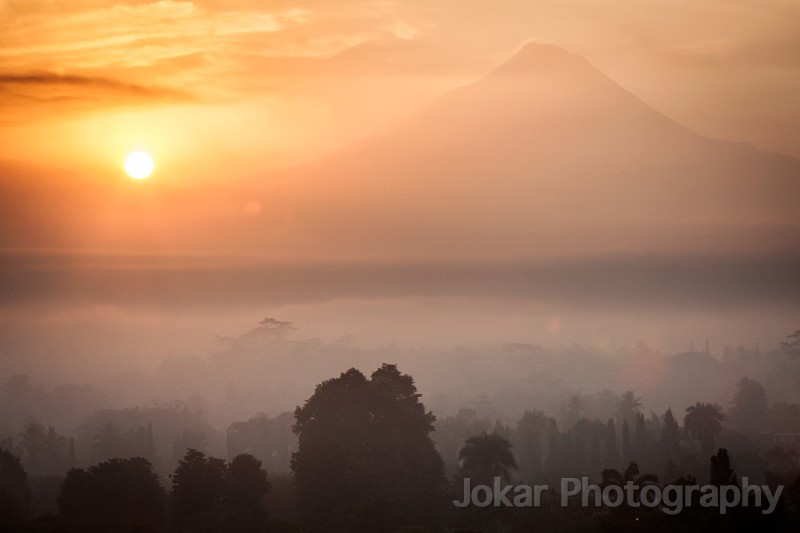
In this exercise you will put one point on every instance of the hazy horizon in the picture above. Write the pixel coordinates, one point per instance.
(561, 214)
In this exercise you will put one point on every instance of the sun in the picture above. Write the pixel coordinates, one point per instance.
(139, 165)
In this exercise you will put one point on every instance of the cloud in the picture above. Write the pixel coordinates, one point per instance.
(49, 78)
(67, 92)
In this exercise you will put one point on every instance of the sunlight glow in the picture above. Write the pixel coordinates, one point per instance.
(139, 165)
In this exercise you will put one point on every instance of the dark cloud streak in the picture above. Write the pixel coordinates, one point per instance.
(50, 79)
(668, 281)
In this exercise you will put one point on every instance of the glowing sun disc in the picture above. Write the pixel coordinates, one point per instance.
(139, 165)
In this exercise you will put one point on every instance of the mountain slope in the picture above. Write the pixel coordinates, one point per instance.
(545, 154)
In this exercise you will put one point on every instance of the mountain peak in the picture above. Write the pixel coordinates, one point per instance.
(536, 57)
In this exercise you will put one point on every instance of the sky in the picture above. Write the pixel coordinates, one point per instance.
(268, 122)
(264, 84)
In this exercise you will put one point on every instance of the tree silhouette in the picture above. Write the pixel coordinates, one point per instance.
(246, 490)
(626, 442)
(32, 439)
(670, 431)
(628, 407)
(530, 429)
(209, 495)
(485, 457)
(575, 404)
(117, 495)
(54, 447)
(15, 495)
(611, 476)
(188, 440)
(721, 472)
(641, 440)
(364, 444)
(703, 421)
(611, 451)
(749, 410)
(198, 489)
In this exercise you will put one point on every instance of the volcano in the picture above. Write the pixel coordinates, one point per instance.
(544, 155)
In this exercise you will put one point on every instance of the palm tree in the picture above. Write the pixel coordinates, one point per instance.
(703, 421)
(628, 407)
(485, 457)
(612, 476)
(32, 440)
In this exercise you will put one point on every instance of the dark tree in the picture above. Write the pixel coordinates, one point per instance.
(641, 441)
(32, 441)
(116, 495)
(749, 410)
(721, 471)
(611, 476)
(669, 435)
(575, 404)
(529, 433)
(611, 451)
(364, 444)
(626, 442)
(15, 494)
(704, 421)
(198, 489)
(485, 457)
(628, 406)
(245, 497)
(54, 449)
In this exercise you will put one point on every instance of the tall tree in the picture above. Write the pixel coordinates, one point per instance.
(485, 457)
(704, 422)
(575, 405)
(641, 444)
(721, 471)
(611, 455)
(626, 442)
(669, 435)
(54, 448)
(628, 407)
(245, 496)
(365, 444)
(749, 411)
(32, 439)
(15, 496)
(530, 429)
(198, 489)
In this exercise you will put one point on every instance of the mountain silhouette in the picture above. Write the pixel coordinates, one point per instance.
(544, 154)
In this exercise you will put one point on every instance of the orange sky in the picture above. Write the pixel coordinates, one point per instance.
(223, 93)
(553, 184)
(215, 87)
